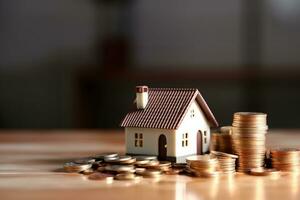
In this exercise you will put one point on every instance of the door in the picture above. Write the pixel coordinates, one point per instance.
(162, 147)
(199, 142)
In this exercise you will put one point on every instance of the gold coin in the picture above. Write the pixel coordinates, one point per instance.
(173, 171)
(125, 176)
(119, 168)
(218, 153)
(88, 171)
(250, 114)
(151, 173)
(202, 158)
(75, 167)
(264, 172)
(284, 151)
(100, 176)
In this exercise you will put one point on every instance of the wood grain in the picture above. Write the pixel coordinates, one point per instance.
(30, 160)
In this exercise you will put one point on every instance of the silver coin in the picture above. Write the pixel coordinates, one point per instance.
(119, 168)
(75, 167)
(141, 158)
(119, 159)
(105, 155)
(111, 159)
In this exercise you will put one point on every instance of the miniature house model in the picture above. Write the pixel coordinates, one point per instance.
(171, 123)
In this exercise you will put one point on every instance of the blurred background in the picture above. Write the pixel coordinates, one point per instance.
(75, 63)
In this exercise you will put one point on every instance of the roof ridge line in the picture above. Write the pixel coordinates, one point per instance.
(178, 89)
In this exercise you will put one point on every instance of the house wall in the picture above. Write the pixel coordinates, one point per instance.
(150, 141)
(191, 125)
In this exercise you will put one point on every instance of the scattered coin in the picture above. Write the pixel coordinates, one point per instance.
(101, 176)
(125, 176)
(75, 167)
(139, 170)
(87, 160)
(105, 155)
(111, 159)
(206, 174)
(119, 168)
(151, 163)
(139, 158)
(141, 162)
(101, 169)
(97, 164)
(173, 171)
(121, 160)
(151, 173)
(88, 171)
(264, 172)
(162, 165)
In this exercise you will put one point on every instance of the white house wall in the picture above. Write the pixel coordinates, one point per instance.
(192, 125)
(150, 141)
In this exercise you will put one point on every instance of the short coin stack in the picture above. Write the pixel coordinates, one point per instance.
(203, 165)
(226, 161)
(222, 141)
(287, 159)
(249, 130)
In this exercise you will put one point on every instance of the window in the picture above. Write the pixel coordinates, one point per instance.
(192, 114)
(185, 141)
(138, 139)
(205, 137)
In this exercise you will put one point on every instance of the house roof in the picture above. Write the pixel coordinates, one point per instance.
(166, 109)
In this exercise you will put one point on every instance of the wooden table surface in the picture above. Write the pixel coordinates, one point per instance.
(29, 161)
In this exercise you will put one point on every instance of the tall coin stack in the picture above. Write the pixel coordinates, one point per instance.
(222, 141)
(286, 159)
(249, 136)
(203, 165)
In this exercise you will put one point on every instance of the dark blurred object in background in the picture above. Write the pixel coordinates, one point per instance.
(74, 64)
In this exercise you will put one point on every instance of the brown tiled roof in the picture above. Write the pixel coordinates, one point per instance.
(166, 109)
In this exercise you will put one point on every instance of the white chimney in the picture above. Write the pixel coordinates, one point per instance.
(141, 96)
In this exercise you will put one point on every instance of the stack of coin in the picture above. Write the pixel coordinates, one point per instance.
(287, 159)
(150, 173)
(222, 141)
(249, 130)
(226, 161)
(203, 165)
